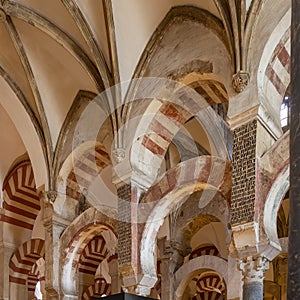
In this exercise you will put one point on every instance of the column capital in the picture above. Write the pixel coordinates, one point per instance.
(253, 268)
(240, 80)
(168, 247)
(51, 196)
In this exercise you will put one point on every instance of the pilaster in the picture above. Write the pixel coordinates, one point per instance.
(114, 274)
(252, 137)
(54, 226)
(130, 188)
(172, 255)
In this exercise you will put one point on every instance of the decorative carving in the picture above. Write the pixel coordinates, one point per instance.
(253, 268)
(240, 80)
(119, 154)
(174, 252)
(2, 15)
(51, 196)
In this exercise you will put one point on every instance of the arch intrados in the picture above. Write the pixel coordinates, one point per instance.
(273, 201)
(217, 210)
(74, 240)
(169, 200)
(191, 268)
(68, 166)
(16, 105)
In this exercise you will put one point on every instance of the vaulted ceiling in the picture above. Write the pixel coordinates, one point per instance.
(51, 50)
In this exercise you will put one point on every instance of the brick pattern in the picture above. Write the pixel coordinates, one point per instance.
(124, 224)
(21, 201)
(243, 173)
(21, 263)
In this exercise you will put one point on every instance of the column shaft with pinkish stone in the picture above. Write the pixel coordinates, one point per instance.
(128, 237)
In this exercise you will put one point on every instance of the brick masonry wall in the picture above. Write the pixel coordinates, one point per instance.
(124, 224)
(243, 173)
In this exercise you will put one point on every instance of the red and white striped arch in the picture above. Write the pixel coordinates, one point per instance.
(208, 285)
(205, 250)
(277, 75)
(98, 289)
(208, 282)
(273, 76)
(86, 167)
(75, 240)
(23, 260)
(207, 275)
(21, 201)
(166, 114)
(92, 255)
(37, 274)
(201, 173)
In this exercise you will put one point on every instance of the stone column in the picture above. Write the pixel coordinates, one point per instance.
(280, 273)
(172, 255)
(6, 251)
(253, 275)
(293, 286)
(54, 226)
(114, 274)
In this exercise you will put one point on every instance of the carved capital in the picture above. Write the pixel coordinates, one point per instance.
(118, 155)
(51, 196)
(253, 268)
(240, 80)
(181, 248)
(48, 224)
